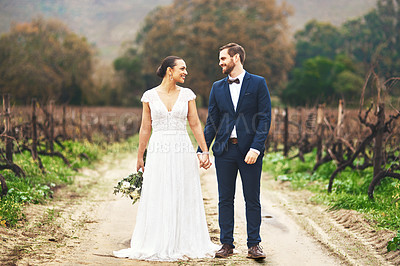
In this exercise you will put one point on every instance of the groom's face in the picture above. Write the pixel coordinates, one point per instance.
(226, 62)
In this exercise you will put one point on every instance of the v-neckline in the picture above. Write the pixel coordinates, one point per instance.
(177, 98)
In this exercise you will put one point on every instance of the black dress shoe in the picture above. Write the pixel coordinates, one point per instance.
(255, 252)
(225, 251)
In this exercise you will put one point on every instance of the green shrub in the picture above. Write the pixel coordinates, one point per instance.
(10, 211)
(37, 187)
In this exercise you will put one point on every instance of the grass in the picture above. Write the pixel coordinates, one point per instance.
(38, 188)
(349, 188)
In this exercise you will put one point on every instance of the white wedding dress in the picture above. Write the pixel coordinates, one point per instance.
(170, 223)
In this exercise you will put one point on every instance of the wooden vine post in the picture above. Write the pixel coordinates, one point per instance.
(340, 118)
(339, 128)
(320, 130)
(64, 123)
(378, 147)
(51, 125)
(80, 124)
(302, 133)
(286, 133)
(7, 125)
(34, 130)
(34, 151)
(276, 130)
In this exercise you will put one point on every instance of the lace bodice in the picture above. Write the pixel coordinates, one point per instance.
(161, 118)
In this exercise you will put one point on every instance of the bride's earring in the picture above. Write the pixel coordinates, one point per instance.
(170, 76)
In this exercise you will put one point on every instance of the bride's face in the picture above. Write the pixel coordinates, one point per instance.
(179, 71)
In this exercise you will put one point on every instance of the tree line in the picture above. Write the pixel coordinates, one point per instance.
(334, 62)
(322, 63)
(195, 29)
(44, 59)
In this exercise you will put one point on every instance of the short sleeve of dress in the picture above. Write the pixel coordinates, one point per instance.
(190, 95)
(145, 97)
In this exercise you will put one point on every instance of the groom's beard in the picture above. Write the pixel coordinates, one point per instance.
(229, 67)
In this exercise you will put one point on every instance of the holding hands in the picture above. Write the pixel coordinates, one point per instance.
(204, 159)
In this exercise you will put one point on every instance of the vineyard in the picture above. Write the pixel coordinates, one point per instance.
(39, 129)
(350, 138)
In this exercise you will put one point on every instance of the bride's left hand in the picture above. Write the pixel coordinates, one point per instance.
(200, 157)
(206, 161)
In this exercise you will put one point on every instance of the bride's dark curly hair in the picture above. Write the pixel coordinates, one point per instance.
(169, 61)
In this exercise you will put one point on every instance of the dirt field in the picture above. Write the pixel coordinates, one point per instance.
(86, 222)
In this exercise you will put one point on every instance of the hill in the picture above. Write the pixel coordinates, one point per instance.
(336, 12)
(105, 23)
(108, 24)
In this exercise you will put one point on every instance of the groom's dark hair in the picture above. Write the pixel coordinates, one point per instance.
(234, 48)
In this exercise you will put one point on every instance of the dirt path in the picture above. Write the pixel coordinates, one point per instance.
(294, 231)
(284, 241)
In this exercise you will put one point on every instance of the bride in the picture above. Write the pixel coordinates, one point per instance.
(170, 223)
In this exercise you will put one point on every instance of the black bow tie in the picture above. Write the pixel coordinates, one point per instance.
(236, 80)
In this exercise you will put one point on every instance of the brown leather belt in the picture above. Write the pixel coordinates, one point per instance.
(233, 140)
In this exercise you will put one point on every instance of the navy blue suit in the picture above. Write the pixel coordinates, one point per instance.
(252, 119)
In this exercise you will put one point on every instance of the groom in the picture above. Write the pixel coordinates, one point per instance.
(239, 117)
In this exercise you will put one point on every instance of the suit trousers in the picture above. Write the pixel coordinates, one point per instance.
(227, 166)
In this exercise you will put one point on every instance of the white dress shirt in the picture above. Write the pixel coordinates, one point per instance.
(235, 92)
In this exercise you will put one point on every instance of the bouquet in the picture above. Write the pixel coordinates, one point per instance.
(130, 186)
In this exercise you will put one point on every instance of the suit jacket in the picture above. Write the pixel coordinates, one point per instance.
(252, 116)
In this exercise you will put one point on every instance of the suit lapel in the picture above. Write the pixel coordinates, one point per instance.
(245, 85)
(228, 95)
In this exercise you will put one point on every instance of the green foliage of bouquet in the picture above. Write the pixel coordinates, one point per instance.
(130, 186)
